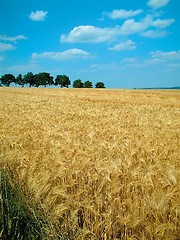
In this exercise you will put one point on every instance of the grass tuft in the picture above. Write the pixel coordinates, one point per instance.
(17, 219)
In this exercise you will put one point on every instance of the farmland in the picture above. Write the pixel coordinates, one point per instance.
(102, 164)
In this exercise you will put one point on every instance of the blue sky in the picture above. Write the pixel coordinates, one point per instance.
(123, 43)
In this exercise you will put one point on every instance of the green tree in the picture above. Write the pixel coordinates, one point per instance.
(43, 79)
(38, 80)
(88, 84)
(62, 80)
(7, 79)
(20, 80)
(29, 79)
(78, 84)
(100, 85)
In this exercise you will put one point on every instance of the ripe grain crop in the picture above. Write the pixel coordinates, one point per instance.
(104, 164)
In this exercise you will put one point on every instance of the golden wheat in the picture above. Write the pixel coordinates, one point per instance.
(103, 163)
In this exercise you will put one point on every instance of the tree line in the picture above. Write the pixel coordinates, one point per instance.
(45, 79)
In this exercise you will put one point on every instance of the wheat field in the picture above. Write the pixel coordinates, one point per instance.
(103, 164)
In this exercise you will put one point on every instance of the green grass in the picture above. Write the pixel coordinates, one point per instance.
(17, 219)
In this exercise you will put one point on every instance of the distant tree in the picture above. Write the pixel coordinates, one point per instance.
(78, 84)
(88, 84)
(38, 80)
(43, 79)
(20, 80)
(100, 85)
(62, 80)
(7, 79)
(29, 79)
(50, 80)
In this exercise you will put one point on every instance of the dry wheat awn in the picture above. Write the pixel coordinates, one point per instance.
(104, 163)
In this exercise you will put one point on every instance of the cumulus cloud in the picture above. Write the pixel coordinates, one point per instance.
(130, 26)
(89, 33)
(163, 23)
(38, 15)
(157, 3)
(129, 60)
(6, 46)
(128, 45)
(173, 55)
(66, 55)
(12, 39)
(160, 57)
(155, 33)
(122, 13)
(92, 34)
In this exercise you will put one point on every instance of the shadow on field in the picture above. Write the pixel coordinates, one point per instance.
(17, 220)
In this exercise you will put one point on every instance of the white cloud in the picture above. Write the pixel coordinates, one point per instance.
(66, 55)
(152, 61)
(92, 34)
(89, 33)
(163, 23)
(129, 60)
(122, 13)
(159, 57)
(12, 39)
(38, 15)
(157, 3)
(130, 26)
(173, 55)
(128, 45)
(155, 33)
(5, 47)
